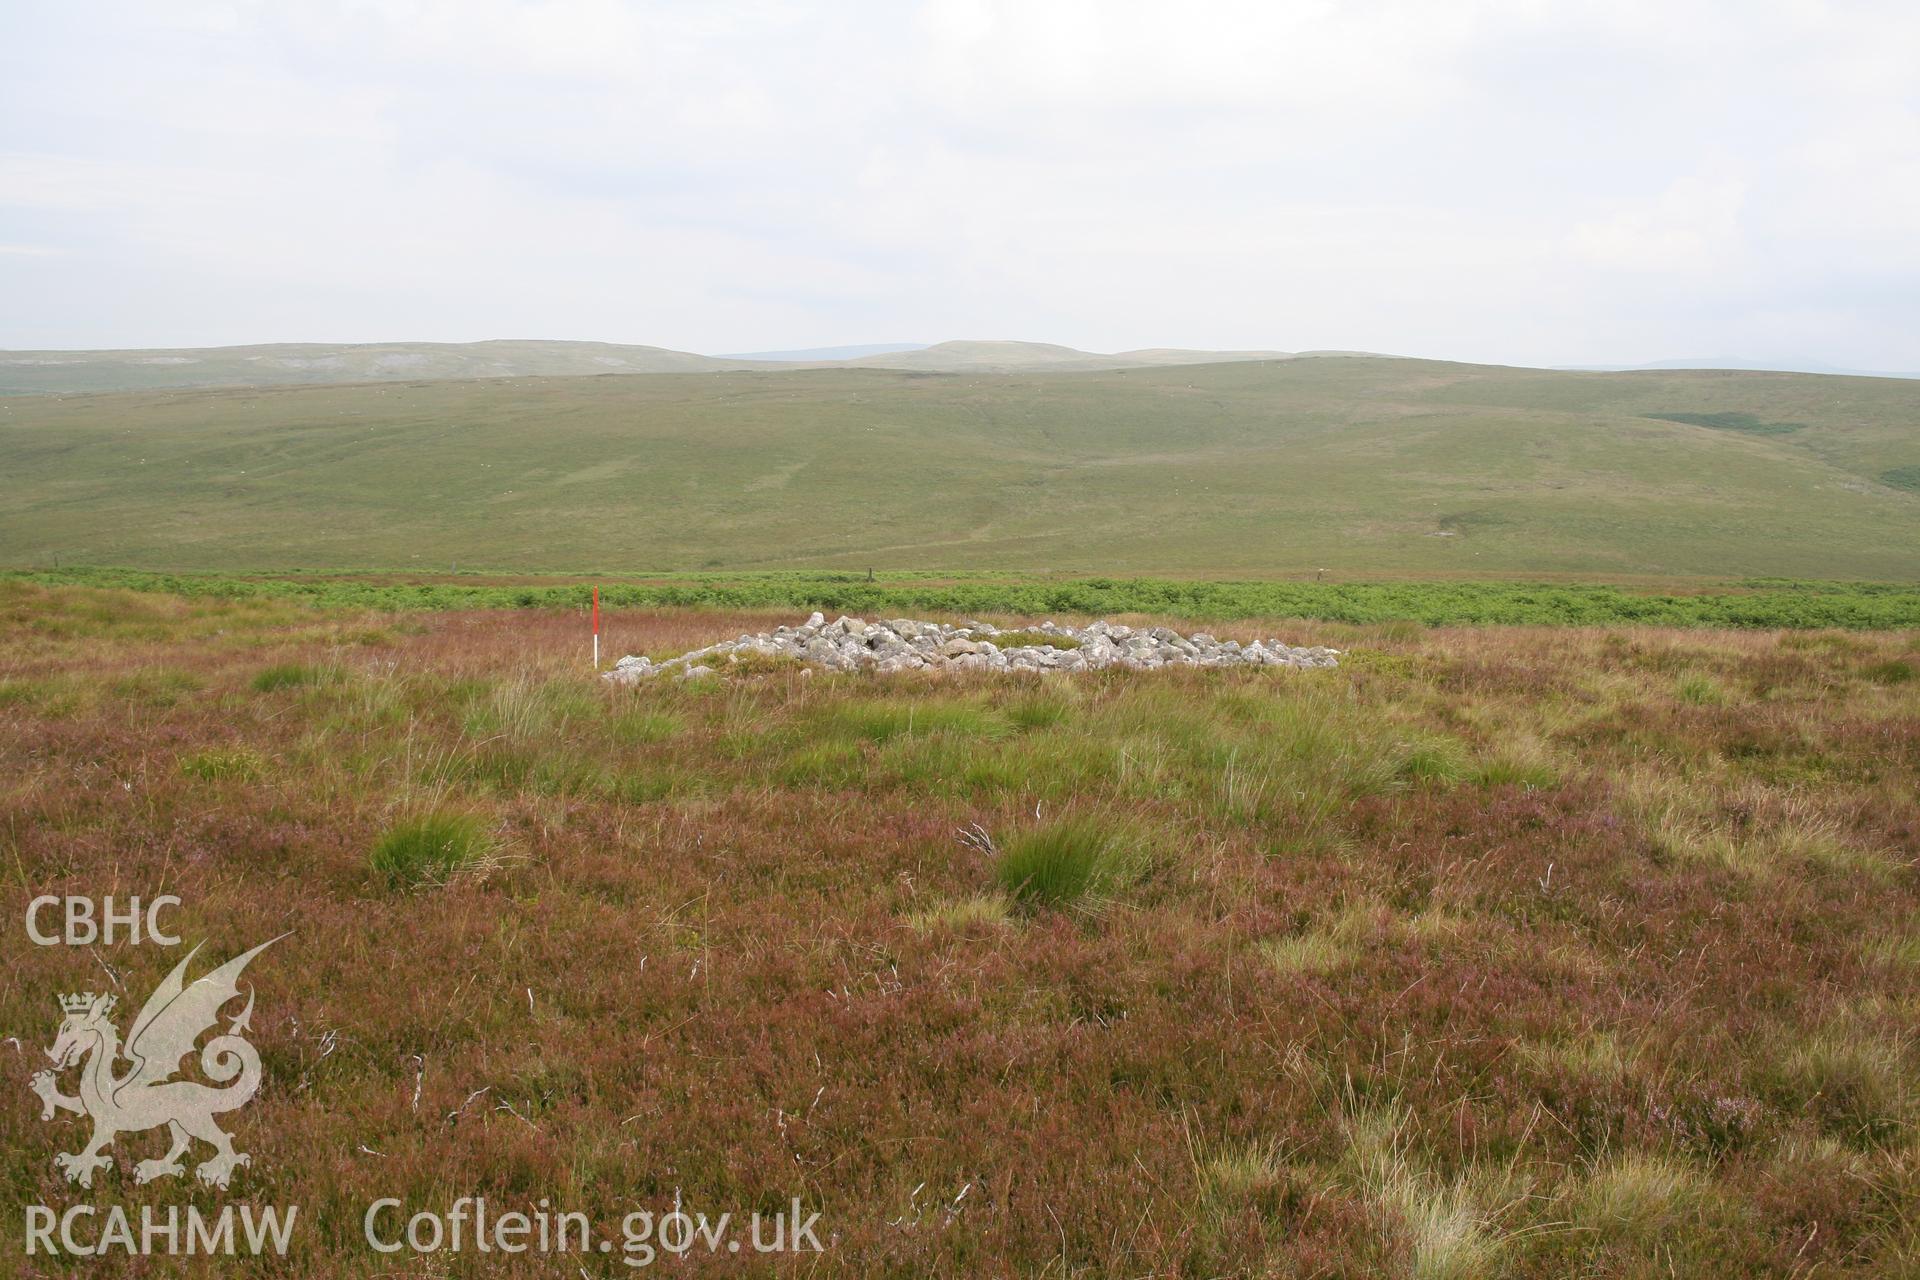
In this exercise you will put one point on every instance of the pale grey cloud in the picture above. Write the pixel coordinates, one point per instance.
(1514, 180)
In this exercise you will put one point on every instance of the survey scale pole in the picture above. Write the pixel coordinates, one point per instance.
(596, 628)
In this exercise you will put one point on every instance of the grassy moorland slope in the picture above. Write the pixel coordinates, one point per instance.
(1023, 357)
(292, 363)
(1261, 468)
(297, 363)
(1534, 953)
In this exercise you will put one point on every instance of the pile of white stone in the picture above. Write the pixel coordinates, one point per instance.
(900, 644)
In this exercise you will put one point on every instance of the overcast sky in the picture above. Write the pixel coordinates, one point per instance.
(1551, 182)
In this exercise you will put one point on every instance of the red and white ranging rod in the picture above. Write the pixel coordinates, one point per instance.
(596, 628)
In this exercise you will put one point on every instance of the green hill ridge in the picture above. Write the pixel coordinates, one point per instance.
(1257, 468)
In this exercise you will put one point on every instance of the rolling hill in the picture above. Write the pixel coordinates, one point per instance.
(297, 364)
(284, 364)
(1038, 357)
(1359, 465)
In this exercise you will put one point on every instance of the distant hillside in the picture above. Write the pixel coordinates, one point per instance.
(814, 355)
(1037, 357)
(282, 364)
(1737, 362)
(297, 364)
(1355, 465)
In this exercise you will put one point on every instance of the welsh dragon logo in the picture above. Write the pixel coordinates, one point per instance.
(146, 1095)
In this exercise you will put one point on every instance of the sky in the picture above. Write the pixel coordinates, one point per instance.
(1516, 181)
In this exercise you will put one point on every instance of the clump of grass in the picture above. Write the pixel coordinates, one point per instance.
(1237, 1174)
(1634, 1195)
(978, 911)
(156, 686)
(763, 664)
(878, 721)
(1340, 939)
(52, 697)
(1450, 1236)
(218, 764)
(432, 848)
(1837, 643)
(1808, 836)
(642, 787)
(1700, 691)
(1334, 943)
(1033, 640)
(1524, 763)
(522, 708)
(1432, 760)
(1901, 950)
(286, 675)
(1306, 953)
(948, 763)
(1892, 671)
(1855, 1085)
(822, 764)
(1447, 1232)
(634, 728)
(1040, 710)
(1680, 824)
(1398, 630)
(1073, 862)
(1600, 1055)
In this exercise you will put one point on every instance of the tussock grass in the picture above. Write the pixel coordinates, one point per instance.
(951, 764)
(1891, 671)
(975, 911)
(1856, 1084)
(56, 697)
(1038, 710)
(1233, 1178)
(1806, 836)
(288, 675)
(432, 848)
(823, 764)
(1033, 639)
(764, 664)
(1448, 1226)
(1700, 691)
(1601, 1055)
(879, 721)
(1637, 1196)
(639, 726)
(1450, 1235)
(157, 686)
(1433, 760)
(522, 708)
(1343, 937)
(1897, 949)
(1336, 942)
(219, 764)
(1077, 862)
(1308, 952)
(1523, 761)
(1749, 827)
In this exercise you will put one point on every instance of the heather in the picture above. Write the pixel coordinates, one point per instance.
(1494, 951)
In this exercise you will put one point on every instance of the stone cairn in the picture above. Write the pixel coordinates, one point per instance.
(900, 644)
